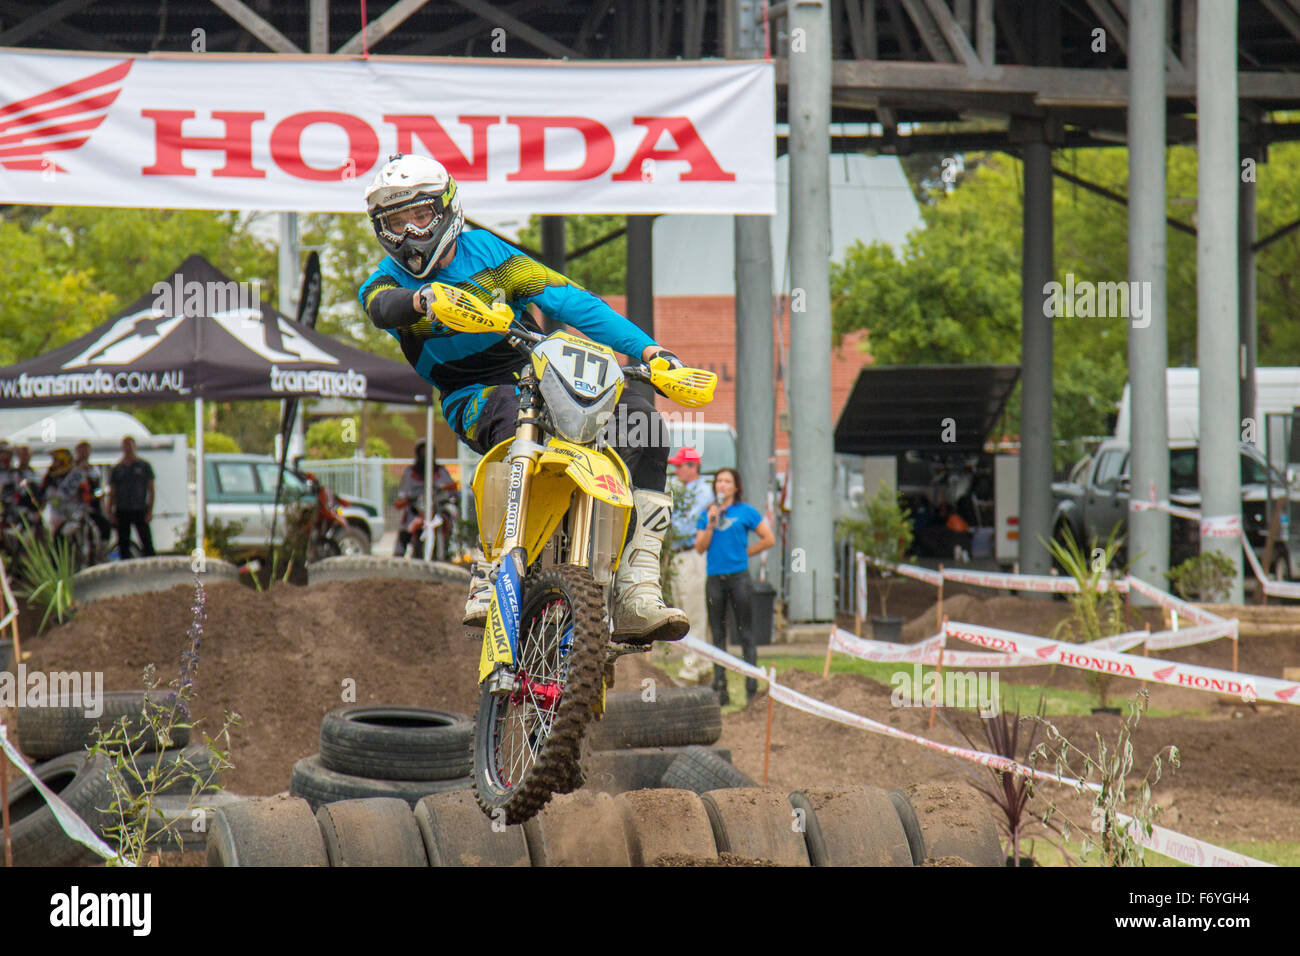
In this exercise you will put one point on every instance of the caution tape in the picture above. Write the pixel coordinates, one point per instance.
(1187, 636)
(1136, 504)
(1165, 842)
(1026, 582)
(885, 652)
(1171, 603)
(1221, 526)
(933, 578)
(1249, 687)
(67, 818)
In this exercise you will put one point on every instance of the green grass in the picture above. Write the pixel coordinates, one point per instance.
(1060, 701)
(1278, 852)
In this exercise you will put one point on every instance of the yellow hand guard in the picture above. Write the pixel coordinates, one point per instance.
(691, 387)
(466, 312)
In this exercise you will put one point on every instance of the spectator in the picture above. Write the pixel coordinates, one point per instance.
(410, 496)
(689, 564)
(24, 482)
(723, 533)
(60, 488)
(90, 474)
(131, 499)
(6, 472)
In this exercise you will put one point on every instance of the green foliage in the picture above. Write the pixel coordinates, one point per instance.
(884, 535)
(46, 570)
(68, 268)
(1096, 610)
(1207, 577)
(337, 438)
(603, 270)
(218, 443)
(1108, 768)
(218, 535)
(952, 293)
(140, 825)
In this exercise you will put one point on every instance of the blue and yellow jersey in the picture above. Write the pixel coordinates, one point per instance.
(464, 366)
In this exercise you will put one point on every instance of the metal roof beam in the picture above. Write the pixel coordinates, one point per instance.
(1051, 86)
(41, 21)
(371, 33)
(91, 41)
(242, 14)
(528, 34)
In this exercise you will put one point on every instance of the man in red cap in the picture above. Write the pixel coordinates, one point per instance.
(689, 566)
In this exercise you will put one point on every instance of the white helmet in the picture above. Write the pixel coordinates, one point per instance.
(416, 213)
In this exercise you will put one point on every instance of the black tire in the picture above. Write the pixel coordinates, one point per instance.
(911, 826)
(579, 829)
(82, 782)
(677, 717)
(851, 826)
(397, 743)
(554, 765)
(61, 728)
(361, 566)
(456, 833)
(638, 768)
(352, 542)
(144, 576)
(956, 821)
(376, 831)
(757, 824)
(194, 759)
(266, 831)
(666, 823)
(700, 770)
(318, 785)
(183, 812)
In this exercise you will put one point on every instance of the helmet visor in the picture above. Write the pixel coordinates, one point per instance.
(417, 219)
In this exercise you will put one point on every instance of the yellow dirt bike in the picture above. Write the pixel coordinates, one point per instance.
(553, 506)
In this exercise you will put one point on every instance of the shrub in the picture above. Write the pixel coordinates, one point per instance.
(1207, 577)
(883, 535)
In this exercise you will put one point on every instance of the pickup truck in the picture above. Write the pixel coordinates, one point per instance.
(1095, 499)
(242, 488)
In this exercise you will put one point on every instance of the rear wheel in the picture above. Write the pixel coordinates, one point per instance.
(526, 743)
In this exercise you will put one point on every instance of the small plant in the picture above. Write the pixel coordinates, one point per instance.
(1096, 610)
(46, 570)
(218, 538)
(1120, 841)
(1011, 792)
(1207, 577)
(141, 826)
(883, 535)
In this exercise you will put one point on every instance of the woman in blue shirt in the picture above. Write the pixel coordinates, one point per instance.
(723, 534)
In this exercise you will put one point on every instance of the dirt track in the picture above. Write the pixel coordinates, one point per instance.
(281, 658)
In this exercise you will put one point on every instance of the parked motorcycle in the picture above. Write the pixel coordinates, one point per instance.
(446, 514)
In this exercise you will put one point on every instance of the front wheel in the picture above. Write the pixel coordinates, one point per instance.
(526, 743)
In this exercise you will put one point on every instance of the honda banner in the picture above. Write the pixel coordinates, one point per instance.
(272, 133)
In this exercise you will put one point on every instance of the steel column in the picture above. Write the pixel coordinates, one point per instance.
(1217, 183)
(1036, 362)
(1148, 349)
(812, 558)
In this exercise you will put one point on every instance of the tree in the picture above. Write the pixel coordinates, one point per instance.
(604, 269)
(952, 293)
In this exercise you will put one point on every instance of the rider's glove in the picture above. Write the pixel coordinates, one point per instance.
(425, 295)
(672, 360)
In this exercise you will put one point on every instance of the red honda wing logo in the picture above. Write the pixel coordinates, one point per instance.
(610, 484)
(60, 119)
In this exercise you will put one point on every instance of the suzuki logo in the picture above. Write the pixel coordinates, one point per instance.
(55, 120)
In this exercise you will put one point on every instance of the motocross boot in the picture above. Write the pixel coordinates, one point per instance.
(480, 595)
(640, 616)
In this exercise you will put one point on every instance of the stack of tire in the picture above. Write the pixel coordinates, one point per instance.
(853, 826)
(369, 750)
(57, 736)
(663, 739)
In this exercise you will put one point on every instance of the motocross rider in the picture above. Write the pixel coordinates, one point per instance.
(416, 213)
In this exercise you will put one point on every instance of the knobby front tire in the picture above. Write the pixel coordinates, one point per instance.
(526, 746)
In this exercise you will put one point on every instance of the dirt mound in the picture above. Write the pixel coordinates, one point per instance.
(282, 658)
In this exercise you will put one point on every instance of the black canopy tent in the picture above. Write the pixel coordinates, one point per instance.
(898, 408)
(199, 335)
